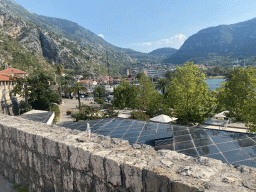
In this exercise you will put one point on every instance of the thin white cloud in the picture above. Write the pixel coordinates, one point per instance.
(102, 36)
(145, 44)
(174, 42)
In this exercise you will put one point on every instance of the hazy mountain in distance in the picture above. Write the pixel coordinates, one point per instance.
(163, 53)
(235, 40)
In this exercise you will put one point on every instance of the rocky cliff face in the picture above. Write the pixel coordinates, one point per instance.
(49, 47)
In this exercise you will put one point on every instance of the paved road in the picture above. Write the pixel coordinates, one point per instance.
(6, 186)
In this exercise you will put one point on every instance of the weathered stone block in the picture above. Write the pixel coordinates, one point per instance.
(154, 182)
(133, 177)
(100, 186)
(30, 159)
(56, 172)
(97, 163)
(30, 141)
(51, 148)
(83, 182)
(13, 149)
(79, 158)
(68, 180)
(63, 152)
(1, 145)
(24, 157)
(7, 132)
(39, 144)
(47, 169)
(7, 147)
(113, 169)
(1, 130)
(38, 163)
(21, 138)
(14, 134)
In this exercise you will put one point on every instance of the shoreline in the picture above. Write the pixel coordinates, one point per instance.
(215, 77)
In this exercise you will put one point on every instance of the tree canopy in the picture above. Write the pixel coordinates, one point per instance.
(188, 94)
(78, 88)
(238, 96)
(235, 92)
(125, 95)
(37, 89)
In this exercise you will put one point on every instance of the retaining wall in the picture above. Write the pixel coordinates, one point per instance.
(52, 158)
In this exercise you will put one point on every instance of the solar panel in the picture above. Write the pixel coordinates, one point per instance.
(229, 147)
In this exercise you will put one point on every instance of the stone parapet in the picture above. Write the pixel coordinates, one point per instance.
(52, 158)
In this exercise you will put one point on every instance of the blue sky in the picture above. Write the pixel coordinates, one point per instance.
(145, 25)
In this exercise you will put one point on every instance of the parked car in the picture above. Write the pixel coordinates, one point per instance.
(105, 99)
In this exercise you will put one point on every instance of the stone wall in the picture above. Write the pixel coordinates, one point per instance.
(52, 158)
(7, 105)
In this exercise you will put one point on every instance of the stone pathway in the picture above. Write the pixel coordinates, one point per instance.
(70, 104)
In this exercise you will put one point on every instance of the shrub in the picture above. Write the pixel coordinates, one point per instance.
(24, 107)
(99, 101)
(68, 112)
(110, 112)
(140, 115)
(86, 113)
(55, 108)
(74, 114)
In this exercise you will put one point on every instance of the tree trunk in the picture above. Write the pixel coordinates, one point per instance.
(79, 103)
(60, 91)
(26, 94)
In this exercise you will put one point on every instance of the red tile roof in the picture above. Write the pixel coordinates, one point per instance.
(4, 77)
(12, 70)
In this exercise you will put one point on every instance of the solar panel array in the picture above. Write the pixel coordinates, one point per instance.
(229, 147)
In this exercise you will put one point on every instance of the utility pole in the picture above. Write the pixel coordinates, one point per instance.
(108, 68)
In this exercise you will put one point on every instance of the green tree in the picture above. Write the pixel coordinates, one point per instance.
(237, 91)
(125, 95)
(162, 85)
(68, 90)
(40, 94)
(249, 114)
(78, 88)
(59, 71)
(37, 91)
(145, 92)
(99, 91)
(169, 75)
(20, 87)
(188, 94)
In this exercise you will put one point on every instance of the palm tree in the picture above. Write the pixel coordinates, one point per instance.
(67, 90)
(162, 84)
(78, 87)
(59, 71)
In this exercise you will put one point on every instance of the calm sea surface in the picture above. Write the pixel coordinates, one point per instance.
(213, 83)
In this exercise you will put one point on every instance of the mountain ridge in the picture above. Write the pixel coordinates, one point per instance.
(232, 40)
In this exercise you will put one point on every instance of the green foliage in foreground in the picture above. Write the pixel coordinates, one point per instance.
(139, 115)
(188, 98)
(188, 94)
(92, 113)
(125, 95)
(55, 108)
(20, 188)
(37, 92)
(238, 96)
(24, 107)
